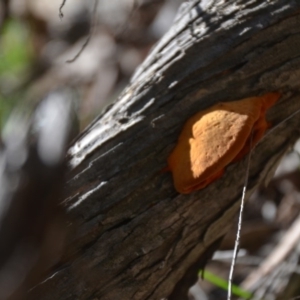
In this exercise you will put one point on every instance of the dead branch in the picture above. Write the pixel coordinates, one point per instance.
(136, 237)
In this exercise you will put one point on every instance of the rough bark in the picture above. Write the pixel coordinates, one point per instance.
(136, 236)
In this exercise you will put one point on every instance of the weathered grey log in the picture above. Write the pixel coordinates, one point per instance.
(136, 236)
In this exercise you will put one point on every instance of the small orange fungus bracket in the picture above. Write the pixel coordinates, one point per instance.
(216, 137)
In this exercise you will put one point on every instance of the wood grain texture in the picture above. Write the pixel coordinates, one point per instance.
(134, 236)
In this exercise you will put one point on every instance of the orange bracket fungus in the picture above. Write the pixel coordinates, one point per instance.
(216, 137)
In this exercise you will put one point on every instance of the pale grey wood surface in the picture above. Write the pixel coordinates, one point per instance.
(136, 236)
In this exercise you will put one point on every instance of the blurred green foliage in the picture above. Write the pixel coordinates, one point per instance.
(16, 56)
(223, 284)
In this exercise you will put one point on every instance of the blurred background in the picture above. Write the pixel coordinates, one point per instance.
(93, 50)
(36, 44)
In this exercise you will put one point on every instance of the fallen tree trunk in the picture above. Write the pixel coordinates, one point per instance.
(135, 236)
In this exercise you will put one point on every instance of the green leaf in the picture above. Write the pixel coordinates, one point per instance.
(223, 284)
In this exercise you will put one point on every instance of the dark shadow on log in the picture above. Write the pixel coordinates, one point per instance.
(182, 287)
